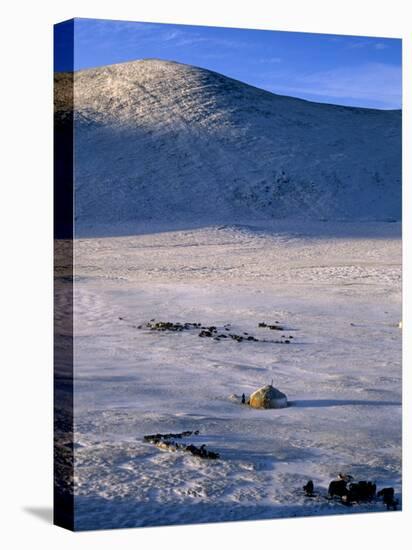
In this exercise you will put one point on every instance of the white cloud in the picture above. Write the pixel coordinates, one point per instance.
(376, 82)
(270, 60)
(367, 44)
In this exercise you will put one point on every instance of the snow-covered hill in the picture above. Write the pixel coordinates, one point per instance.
(158, 140)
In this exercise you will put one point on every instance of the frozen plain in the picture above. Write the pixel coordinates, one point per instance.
(335, 287)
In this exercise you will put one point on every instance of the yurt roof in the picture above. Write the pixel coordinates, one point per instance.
(274, 392)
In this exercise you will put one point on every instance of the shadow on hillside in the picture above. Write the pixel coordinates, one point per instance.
(389, 229)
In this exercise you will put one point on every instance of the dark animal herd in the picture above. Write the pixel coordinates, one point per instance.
(166, 441)
(343, 488)
(355, 493)
(225, 333)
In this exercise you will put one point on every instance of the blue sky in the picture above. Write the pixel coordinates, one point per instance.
(345, 70)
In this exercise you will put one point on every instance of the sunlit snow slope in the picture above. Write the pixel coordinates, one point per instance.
(159, 140)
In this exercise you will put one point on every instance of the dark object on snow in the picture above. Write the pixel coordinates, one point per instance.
(308, 488)
(156, 438)
(201, 452)
(363, 491)
(240, 338)
(359, 492)
(345, 477)
(211, 332)
(338, 488)
(388, 496)
(271, 327)
(163, 326)
(166, 442)
(268, 397)
(243, 398)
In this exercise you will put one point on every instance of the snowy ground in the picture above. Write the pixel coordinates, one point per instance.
(337, 289)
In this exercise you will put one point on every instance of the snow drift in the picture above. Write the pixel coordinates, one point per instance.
(157, 140)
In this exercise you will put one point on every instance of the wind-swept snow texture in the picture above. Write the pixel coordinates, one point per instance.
(335, 290)
(159, 140)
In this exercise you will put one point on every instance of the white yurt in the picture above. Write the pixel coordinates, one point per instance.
(268, 397)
